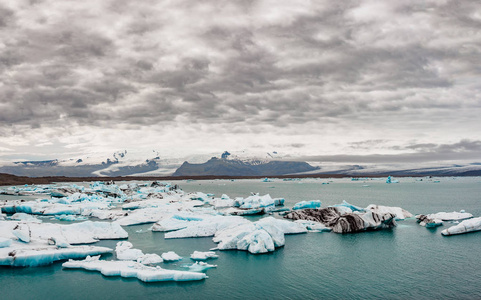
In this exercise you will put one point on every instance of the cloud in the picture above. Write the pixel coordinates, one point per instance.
(350, 71)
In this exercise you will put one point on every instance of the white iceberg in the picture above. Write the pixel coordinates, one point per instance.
(131, 269)
(450, 216)
(206, 227)
(25, 217)
(465, 226)
(150, 259)
(39, 255)
(398, 212)
(198, 255)
(124, 251)
(170, 256)
(200, 266)
(4, 242)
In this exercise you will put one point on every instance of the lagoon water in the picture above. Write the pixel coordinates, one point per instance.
(406, 262)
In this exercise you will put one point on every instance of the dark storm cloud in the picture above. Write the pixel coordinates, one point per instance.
(219, 62)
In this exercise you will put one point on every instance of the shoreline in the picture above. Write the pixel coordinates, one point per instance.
(8, 179)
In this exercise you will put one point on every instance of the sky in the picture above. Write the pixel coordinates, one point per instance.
(324, 80)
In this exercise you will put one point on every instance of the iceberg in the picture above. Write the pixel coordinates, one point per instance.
(198, 255)
(399, 213)
(391, 180)
(255, 201)
(351, 207)
(4, 242)
(451, 216)
(206, 227)
(25, 217)
(170, 256)
(39, 255)
(307, 204)
(465, 226)
(22, 232)
(257, 237)
(150, 259)
(313, 226)
(199, 266)
(124, 251)
(428, 222)
(133, 269)
(78, 233)
(342, 222)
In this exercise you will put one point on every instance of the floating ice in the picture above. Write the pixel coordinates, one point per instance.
(451, 216)
(78, 233)
(39, 255)
(255, 201)
(198, 255)
(342, 222)
(4, 242)
(307, 204)
(313, 226)
(124, 251)
(170, 256)
(465, 226)
(22, 232)
(391, 180)
(25, 217)
(399, 213)
(428, 222)
(200, 266)
(351, 207)
(257, 237)
(207, 227)
(133, 269)
(150, 259)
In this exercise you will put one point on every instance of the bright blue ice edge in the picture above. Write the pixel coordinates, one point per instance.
(392, 264)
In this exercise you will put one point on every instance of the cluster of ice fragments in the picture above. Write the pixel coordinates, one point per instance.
(27, 241)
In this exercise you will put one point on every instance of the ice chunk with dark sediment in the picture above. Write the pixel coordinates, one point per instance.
(398, 212)
(131, 269)
(342, 222)
(429, 222)
(465, 226)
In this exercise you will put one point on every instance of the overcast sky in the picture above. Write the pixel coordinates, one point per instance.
(307, 78)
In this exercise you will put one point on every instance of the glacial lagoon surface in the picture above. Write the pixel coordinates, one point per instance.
(406, 262)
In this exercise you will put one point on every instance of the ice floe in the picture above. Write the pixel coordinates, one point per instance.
(465, 226)
(307, 204)
(133, 269)
(198, 255)
(170, 256)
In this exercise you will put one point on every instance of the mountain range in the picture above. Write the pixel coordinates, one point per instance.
(237, 163)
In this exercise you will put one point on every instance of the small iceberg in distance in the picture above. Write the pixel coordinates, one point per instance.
(391, 180)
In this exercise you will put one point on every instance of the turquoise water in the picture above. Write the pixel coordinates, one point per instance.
(406, 262)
